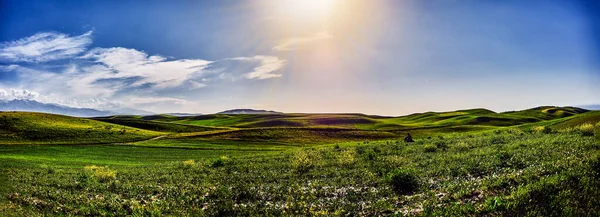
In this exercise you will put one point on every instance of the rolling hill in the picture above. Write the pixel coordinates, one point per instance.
(481, 117)
(248, 111)
(40, 128)
(155, 125)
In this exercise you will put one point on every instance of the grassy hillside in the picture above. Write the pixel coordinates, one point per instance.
(482, 117)
(292, 135)
(39, 128)
(20, 128)
(547, 112)
(155, 125)
(592, 117)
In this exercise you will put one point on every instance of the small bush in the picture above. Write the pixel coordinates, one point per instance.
(403, 181)
(303, 161)
(370, 155)
(538, 129)
(347, 158)
(547, 130)
(586, 129)
(221, 161)
(441, 145)
(430, 148)
(101, 173)
(189, 163)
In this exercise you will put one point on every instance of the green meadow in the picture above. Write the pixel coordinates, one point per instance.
(543, 161)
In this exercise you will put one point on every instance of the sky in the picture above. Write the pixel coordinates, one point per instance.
(326, 56)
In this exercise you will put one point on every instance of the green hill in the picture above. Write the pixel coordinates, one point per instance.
(592, 117)
(547, 112)
(479, 116)
(291, 135)
(155, 125)
(40, 128)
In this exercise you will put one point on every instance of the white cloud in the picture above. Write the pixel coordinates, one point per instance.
(157, 70)
(144, 100)
(106, 78)
(295, 42)
(268, 65)
(22, 94)
(43, 47)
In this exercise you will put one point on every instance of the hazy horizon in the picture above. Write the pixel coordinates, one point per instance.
(331, 56)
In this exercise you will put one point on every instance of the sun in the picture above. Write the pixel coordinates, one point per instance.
(305, 10)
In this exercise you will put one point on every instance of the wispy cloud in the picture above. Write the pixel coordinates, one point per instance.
(156, 70)
(295, 42)
(106, 77)
(266, 68)
(44, 47)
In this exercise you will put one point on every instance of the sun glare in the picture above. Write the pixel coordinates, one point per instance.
(305, 9)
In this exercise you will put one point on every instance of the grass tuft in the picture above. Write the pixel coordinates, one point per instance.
(103, 174)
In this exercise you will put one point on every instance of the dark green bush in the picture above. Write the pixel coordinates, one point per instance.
(403, 181)
(430, 148)
(441, 145)
(370, 154)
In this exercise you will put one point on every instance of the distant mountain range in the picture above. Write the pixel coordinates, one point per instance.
(35, 106)
(591, 107)
(179, 114)
(248, 111)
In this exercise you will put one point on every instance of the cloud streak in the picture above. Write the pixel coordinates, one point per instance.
(296, 42)
(44, 47)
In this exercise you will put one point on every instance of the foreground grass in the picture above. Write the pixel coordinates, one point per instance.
(505, 172)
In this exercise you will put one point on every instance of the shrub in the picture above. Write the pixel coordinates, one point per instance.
(441, 144)
(189, 163)
(547, 130)
(430, 148)
(101, 173)
(303, 161)
(538, 129)
(586, 129)
(347, 158)
(370, 155)
(221, 161)
(336, 147)
(403, 181)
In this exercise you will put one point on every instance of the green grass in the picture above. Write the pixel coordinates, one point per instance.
(464, 163)
(39, 128)
(501, 173)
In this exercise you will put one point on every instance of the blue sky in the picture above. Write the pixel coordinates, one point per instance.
(376, 57)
